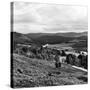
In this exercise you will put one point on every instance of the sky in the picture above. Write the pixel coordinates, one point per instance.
(49, 18)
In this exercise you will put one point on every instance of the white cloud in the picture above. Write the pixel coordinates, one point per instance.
(30, 17)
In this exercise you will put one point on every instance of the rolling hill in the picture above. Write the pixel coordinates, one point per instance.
(54, 38)
(67, 34)
(72, 34)
(50, 38)
(18, 38)
(29, 72)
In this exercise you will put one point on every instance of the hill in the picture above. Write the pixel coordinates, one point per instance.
(29, 72)
(55, 38)
(66, 34)
(50, 38)
(20, 38)
(72, 34)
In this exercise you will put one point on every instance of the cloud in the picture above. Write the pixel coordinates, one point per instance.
(28, 28)
(34, 17)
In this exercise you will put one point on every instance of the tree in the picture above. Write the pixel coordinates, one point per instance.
(70, 59)
(83, 60)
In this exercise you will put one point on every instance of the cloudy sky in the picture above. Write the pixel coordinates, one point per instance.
(49, 18)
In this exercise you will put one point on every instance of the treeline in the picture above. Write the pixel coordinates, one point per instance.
(49, 54)
(39, 52)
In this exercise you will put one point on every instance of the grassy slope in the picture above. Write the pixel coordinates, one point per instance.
(32, 72)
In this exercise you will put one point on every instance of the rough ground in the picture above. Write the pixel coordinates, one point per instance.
(29, 72)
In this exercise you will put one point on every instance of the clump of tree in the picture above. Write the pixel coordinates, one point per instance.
(38, 52)
(70, 59)
(81, 60)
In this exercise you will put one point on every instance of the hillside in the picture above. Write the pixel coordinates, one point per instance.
(55, 38)
(29, 72)
(44, 38)
(72, 34)
(67, 34)
(20, 38)
(80, 39)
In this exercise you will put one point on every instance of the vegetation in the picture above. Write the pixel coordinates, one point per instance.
(80, 61)
(34, 65)
(29, 72)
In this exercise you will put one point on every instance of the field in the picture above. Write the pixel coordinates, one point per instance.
(62, 46)
(29, 72)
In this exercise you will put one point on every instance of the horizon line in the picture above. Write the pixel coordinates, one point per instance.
(52, 32)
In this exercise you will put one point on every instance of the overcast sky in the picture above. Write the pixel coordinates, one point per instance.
(49, 18)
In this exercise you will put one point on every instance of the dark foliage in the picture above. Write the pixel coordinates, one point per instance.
(70, 59)
(81, 60)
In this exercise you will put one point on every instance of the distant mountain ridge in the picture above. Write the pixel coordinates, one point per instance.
(52, 38)
(67, 34)
(20, 37)
(73, 34)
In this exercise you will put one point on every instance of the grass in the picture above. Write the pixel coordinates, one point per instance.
(29, 72)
